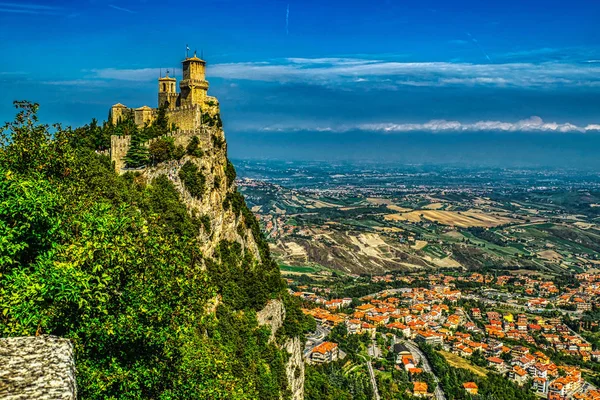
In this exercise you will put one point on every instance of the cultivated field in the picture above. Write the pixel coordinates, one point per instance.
(459, 362)
(465, 219)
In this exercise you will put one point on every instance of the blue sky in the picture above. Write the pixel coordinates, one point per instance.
(294, 77)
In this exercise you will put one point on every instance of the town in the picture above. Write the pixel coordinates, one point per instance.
(541, 335)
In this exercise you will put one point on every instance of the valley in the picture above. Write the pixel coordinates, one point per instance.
(366, 219)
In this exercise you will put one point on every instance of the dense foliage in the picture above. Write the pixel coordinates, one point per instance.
(113, 264)
(193, 179)
(493, 386)
(331, 382)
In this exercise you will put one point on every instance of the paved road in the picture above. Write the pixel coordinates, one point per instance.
(315, 338)
(373, 381)
(372, 377)
(418, 355)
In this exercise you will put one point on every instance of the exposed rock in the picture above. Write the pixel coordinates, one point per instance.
(295, 368)
(272, 315)
(37, 368)
(225, 225)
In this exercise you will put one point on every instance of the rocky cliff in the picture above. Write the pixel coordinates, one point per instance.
(226, 222)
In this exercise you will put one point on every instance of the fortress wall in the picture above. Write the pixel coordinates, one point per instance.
(185, 117)
(119, 146)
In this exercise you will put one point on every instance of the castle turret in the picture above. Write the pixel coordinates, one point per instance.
(193, 85)
(167, 92)
(117, 112)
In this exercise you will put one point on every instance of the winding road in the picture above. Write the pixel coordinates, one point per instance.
(418, 355)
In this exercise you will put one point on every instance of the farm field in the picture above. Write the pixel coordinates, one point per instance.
(465, 219)
(459, 362)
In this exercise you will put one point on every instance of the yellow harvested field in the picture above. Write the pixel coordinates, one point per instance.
(394, 207)
(434, 206)
(295, 249)
(412, 216)
(256, 209)
(279, 210)
(379, 202)
(443, 262)
(419, 244)
(550, 255)
(464, 219)
(323, 204)
(583, 225)
(391, 229)
(594, 205)
(459, 362)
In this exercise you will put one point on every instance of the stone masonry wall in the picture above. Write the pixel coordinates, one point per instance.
(119, 145)
(186, 117)
(37, 368)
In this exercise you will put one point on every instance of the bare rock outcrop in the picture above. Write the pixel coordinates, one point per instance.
(273, 315)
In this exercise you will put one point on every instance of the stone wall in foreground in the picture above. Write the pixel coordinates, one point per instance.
(37, 368)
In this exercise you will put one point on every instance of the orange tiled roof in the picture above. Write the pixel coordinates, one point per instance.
(470, 385)
(324, 347)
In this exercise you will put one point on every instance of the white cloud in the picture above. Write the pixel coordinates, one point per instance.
(28, 8)
(337, 72)
(532, 124)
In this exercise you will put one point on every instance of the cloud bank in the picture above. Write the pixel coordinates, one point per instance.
(386, 74)
(532, 124)
(331, 71)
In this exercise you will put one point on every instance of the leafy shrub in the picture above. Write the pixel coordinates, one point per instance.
(162, 149)
(230, 173)
(193, 179)
(113, 265)
(193, 147)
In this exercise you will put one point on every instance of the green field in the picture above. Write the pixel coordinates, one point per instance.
(299, 269)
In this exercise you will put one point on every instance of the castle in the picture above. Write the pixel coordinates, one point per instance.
(185, 108)
(192, 110)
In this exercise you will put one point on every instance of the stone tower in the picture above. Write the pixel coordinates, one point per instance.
(118, 112)
(194, 86)
(167, 91)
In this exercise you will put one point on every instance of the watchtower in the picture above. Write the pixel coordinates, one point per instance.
(167, 91)
(194, 86)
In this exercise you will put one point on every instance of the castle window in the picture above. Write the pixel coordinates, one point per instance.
(164, 87)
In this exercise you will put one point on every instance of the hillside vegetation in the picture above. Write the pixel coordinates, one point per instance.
(112, 263)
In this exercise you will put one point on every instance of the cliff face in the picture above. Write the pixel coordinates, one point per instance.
(227, 223)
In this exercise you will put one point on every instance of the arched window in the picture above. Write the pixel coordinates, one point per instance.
(164, 87)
